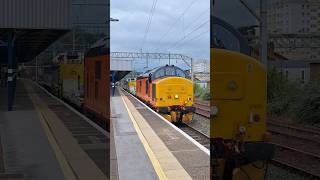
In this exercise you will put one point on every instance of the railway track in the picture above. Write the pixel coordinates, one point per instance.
(202, 108)
(304, 163)
(196, 135)
(296, 148)
(307, 131)
(296, 137)
(313, 127)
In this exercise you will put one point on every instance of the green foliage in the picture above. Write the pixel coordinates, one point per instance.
(291, 100)
(282, 94)
(197, 90)
(205, 94)
(308, 110)
(201, 93)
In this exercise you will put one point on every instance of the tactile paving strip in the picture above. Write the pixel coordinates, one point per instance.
(194, 160)
(92, 141)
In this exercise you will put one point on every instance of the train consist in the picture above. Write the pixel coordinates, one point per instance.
(166, 89)
(97, 81)
(65, 77)
(239, 148)
(82, 81)
(130, 85)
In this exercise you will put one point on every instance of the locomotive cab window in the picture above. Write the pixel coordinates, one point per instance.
(96, 90)
(87, 84)
(224, 39)
(180, 73)
(224, 36)
(98, 70)
(159, 73)
(168, 71)
(147, 87)
(153, 92)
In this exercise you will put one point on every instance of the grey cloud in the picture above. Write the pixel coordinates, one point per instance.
(127, 34)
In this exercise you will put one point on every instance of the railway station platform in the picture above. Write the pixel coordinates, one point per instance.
(146, 146)
(44, 138)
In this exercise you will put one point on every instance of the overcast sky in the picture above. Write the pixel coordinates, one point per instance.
(235, 13)
(169, 31)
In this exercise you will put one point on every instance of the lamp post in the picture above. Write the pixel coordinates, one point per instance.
(113, 19)
(113, 76)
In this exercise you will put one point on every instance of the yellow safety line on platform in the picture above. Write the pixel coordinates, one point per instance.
(154, 160)
(66, 168)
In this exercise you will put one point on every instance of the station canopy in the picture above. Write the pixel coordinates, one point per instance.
(36, 24)
(29, 42)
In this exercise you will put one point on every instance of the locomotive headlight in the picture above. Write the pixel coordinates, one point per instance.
(254, 118)
(214, 110)
(242, 129)
(176, 96)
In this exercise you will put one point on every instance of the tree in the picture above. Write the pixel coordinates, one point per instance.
(282, 95)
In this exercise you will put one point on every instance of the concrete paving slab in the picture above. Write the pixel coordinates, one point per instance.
(195, 161)
(132, 159)
(26, 147)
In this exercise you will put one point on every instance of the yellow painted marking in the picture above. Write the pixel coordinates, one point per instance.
(66, 168)
(154, 160)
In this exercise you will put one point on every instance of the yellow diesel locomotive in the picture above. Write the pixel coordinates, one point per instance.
(238, 136)
(65, 78)
(169, 91)
(130, 85)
